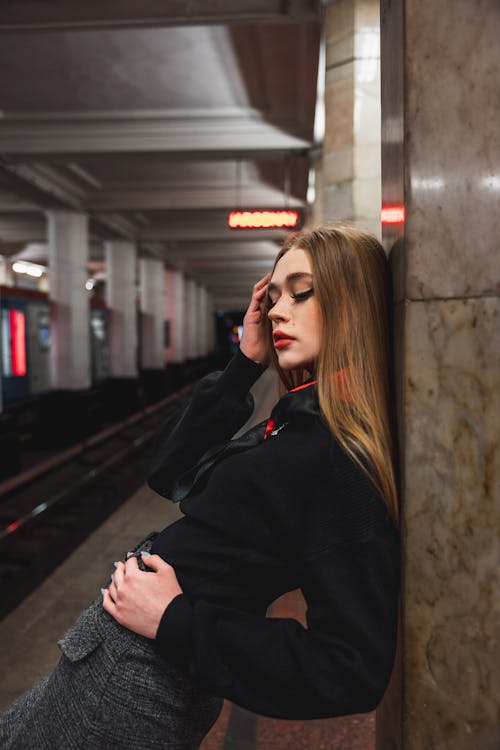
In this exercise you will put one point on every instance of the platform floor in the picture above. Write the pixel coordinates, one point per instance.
(28, 634)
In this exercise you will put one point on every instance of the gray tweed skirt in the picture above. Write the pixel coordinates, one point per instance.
(110, 689)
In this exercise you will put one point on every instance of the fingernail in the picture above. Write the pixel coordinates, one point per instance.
(103, 591)
(129, 554)
(115, 564)
(145, 554)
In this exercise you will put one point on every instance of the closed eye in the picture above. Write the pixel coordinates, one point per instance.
(300, 296)
(297, 297)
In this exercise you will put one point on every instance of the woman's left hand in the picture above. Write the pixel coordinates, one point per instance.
(137, 599)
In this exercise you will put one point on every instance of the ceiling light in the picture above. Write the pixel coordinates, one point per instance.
(32, 269)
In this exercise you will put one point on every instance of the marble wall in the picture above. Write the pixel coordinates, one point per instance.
(440, 157)
(349, 174)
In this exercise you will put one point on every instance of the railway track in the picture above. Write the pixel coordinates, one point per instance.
(44, 519)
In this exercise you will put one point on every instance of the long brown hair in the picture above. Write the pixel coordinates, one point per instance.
(353, 370)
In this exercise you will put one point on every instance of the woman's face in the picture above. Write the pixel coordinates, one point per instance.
(294, 312)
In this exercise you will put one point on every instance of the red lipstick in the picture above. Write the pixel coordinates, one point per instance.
(281, 339)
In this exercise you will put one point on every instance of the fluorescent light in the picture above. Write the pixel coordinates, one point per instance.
(19, 267)
(32, 269)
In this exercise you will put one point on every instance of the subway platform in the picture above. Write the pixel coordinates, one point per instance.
(29, 634)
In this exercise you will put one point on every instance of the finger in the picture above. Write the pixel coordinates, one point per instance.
(108, 604)
(262, 285)
(155, 562)
(261, 292)
(105, 595)
(118, 575)
(131, 566)
(112, 590)
(263, 301)
(257, 297)
(264, 280)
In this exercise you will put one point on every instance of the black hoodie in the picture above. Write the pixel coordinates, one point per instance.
(267, 513)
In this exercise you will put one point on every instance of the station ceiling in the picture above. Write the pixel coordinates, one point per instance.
(157, 119)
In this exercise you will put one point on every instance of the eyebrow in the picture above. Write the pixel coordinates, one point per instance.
(291, 277)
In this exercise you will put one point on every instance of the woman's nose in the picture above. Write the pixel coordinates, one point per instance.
(278, 312)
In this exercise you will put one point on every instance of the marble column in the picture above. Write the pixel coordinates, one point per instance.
(202, 321)
(440, 158)
(70, 332)
(121, 302)
(210, 323)
(152, 281)
(191, 318)
(175, 314)
(348, 177)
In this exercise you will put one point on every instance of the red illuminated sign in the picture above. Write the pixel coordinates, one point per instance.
(17, 342)
(262, 219)
(393, 214)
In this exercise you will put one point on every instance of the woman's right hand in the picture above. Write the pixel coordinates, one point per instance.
(254, 343)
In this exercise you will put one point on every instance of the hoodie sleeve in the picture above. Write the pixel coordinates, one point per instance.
(340, 664)
(220, 405)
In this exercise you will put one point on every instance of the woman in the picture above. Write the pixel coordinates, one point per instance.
(306, 499)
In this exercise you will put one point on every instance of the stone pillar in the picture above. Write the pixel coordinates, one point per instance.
(348, 178)
(175, 314)
(209, 324)
(191, 302)
(202, 321)
(70, 333)
(5, 273)
(121, 302)
(152, 281)
(1, 356)
(440, 115)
